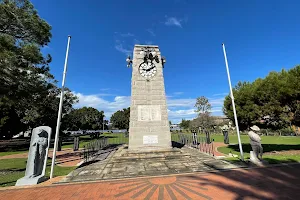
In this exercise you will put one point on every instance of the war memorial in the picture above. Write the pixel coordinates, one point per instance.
(150, 151)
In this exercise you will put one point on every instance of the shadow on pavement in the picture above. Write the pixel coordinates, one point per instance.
(277, 182)
(177, 145)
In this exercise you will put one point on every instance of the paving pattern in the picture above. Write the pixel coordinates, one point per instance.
(118, 163)
(277, 182)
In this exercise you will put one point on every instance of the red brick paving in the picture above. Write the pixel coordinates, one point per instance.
(216, 146)
(281, 182)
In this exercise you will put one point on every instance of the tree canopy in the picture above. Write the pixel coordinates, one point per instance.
(204, 118)
(202, 105)
(86, 118)
(184, 124)
(272, 102)
(120, 119)
(29, 96)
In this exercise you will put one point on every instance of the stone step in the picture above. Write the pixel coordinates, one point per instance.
(151, 157)
(145, 153)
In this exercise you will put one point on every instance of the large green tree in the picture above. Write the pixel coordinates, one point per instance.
(86, 118)
(120, 119)
(28, 91)
(273, 99)
(184, 124)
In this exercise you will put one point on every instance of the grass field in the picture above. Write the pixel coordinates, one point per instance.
(11, 153)
(13, 169)
(269, 143)
(233, 139)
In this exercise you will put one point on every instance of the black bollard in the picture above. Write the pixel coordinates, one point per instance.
(207, 134)
(59, 144)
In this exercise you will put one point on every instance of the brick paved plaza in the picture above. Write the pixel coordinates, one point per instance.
(277, 182)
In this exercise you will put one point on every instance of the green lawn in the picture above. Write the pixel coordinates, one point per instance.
(13, 169)
(233, 139)
(269, 143)
(112, 139)
(11, 153)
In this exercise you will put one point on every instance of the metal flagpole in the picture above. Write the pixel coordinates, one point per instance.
(233, 105)
(60, 109)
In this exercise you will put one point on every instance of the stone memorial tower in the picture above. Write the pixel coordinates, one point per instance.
(149, 125)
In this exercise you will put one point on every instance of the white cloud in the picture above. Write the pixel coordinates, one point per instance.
(105, 94)
(122, 49)
(216, 102)
(184, 108)
(151, 32)
(173, 21)
(177, 115)
(96, 101)
(177, 108)
(181, 102)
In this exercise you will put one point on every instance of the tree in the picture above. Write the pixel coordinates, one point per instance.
(202, 105)
(28, 91)
(203, 120)
(86, 118)
(184, 124)
(273, 102)
(120, 119)
(245, 103)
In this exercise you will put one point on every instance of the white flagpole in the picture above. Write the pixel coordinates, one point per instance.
(233, 105)
(60, 109)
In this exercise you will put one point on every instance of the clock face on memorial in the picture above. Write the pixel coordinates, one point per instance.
(147, 70)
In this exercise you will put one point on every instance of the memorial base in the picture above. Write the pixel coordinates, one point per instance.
(256, 161)
(31, 181)
(150, 154)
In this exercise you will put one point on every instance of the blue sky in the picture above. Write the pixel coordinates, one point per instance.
(260, 36)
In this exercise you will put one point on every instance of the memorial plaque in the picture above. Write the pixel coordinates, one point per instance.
(150, 139)
(149, 113)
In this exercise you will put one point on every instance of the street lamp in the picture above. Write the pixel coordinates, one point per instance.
(163, 60)
(129, 61)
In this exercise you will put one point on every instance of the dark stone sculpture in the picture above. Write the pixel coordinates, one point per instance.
(37, 156)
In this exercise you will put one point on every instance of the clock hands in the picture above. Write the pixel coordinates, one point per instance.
(147, 70)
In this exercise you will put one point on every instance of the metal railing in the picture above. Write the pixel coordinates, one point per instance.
(202, 143)
(92, 148)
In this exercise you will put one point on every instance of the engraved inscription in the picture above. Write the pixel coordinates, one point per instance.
(149, 113)
(150, 139)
